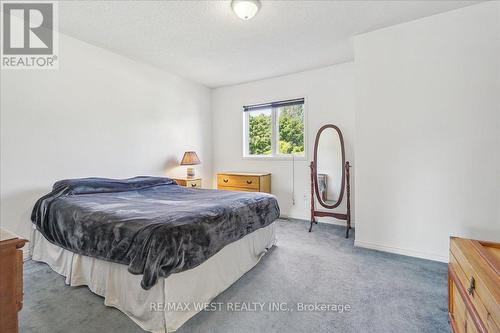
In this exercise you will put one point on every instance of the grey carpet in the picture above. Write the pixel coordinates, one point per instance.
(386, 292)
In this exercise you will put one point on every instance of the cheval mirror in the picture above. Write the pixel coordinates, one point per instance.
(330, 175)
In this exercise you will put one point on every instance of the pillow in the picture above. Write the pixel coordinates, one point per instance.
(103, 185)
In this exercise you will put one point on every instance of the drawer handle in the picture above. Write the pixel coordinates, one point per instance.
(225, 180)
(249, 182)
(193, 185)
(472, 286)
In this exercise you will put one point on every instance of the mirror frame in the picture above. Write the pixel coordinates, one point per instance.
(316, 188)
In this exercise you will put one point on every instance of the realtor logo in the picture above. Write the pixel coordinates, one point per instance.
(29, 35)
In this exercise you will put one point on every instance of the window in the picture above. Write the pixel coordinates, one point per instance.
(274, 129)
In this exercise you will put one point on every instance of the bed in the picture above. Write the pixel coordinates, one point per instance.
(145, 243)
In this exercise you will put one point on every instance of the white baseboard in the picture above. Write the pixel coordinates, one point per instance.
(404, 252)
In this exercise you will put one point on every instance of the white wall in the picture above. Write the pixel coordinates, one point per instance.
(100, 114)
(428, 132)
(329, 94)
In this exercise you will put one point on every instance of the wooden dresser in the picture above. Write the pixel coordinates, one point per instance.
(474, 286)
(244, 181)
(11, 280)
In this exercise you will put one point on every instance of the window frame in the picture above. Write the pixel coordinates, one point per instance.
(275, 155)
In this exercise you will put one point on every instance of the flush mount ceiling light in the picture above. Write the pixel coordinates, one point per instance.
(245, 9)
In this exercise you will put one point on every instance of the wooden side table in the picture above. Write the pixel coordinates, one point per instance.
(11, 280)
(189, 182)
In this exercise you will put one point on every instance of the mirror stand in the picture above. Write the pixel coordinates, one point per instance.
(322, 213)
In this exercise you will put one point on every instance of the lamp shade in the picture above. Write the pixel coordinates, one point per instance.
(190, 158)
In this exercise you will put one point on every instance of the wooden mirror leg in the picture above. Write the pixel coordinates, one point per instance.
(348, 224)
(311, 166)
(348, 192)
(313, 220)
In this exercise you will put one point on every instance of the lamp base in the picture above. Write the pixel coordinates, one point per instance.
(190, 172)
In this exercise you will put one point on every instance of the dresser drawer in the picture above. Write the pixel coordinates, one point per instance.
(194, 183)
(241, 189)
(460, 319)
(11, 281)
(475, 273)
(248, 182)
(470, 286)
(187, 182)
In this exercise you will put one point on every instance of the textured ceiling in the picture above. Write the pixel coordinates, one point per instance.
(204, 41)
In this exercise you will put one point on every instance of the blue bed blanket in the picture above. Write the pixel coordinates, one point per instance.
(148, 223)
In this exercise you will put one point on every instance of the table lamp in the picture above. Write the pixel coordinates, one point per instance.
(190, 158)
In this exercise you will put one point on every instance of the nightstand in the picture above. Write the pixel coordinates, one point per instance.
(189, 182)
(11, 280)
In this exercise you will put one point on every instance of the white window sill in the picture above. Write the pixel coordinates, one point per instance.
(274, 158)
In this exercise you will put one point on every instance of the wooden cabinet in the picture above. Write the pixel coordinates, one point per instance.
(11, 280)
(474, 286)
(248, 182)
(189, 182)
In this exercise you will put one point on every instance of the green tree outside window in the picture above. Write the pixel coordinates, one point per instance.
(259, 129)
(290, 127)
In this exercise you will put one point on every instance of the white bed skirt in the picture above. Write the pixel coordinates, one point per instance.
(123, 291)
